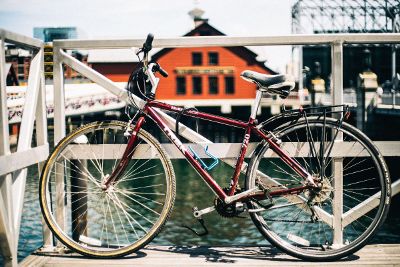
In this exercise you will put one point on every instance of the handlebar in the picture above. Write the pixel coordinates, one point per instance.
(147, 46)
(163, 72)
(160, 70)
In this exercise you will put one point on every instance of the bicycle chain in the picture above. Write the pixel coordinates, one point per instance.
(288, 221)
(264, 187)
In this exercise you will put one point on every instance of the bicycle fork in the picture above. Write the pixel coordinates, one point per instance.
(126, 157)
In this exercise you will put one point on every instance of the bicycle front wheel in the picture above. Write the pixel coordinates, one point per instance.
(119, 220)
(340, 217)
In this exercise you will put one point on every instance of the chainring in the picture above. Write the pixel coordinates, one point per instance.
(227, 210)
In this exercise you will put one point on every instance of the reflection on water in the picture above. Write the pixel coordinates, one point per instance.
(191, 191)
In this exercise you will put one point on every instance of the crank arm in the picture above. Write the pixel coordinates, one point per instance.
(199, 213)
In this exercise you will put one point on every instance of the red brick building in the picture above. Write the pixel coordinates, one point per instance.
(194, 73)
(207, 72)
(115, 64)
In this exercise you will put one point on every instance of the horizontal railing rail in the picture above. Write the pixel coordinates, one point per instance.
(20, 40)
(203, 41)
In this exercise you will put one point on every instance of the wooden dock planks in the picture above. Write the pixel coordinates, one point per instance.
(371, 255)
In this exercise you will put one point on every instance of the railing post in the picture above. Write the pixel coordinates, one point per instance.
(25, 137)
(393, 92)
(59, 133)
(41, 139)
(59, 99)
(8, 246)
(337, 99)
(301, 75)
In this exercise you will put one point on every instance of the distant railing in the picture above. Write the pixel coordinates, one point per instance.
(80, 99)
(13, 165)
(392, 99)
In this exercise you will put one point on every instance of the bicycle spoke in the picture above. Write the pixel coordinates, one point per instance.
(309, 229)
(141, 177)
(107, 219)
(138, 195)
(141, 204)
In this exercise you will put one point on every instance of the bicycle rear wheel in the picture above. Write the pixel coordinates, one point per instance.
(106, 223)
(355, 186)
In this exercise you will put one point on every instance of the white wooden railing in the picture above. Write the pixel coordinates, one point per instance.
(337, 219)
(13, 165)
(13, 175)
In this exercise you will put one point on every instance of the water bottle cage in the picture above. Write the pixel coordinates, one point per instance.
(202, 163)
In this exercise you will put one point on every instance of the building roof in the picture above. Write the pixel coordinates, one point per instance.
(205, 29)
(112, 56)
(115, 55)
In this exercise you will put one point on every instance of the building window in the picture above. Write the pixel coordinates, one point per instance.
(197, 59)
(213, 58)
(213, 85)
(197, 85)
(180, 85)
(229, 86)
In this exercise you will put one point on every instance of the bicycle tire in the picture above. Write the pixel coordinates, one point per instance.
(91, 245)
(286, 235)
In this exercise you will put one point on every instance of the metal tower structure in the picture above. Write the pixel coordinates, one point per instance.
(345, 16)
(350, 16)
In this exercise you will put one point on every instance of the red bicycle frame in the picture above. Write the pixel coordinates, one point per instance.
(249, 127)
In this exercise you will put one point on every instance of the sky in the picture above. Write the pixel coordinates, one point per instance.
(163, 18)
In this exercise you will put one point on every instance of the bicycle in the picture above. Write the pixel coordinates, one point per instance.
(115, 183)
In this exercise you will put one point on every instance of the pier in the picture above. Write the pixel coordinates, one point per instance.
(34, 116)
(152, 256)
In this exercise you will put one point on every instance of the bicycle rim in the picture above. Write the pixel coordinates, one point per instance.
(290, 223)
(106, 223)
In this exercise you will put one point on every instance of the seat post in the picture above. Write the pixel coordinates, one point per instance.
(256, 104)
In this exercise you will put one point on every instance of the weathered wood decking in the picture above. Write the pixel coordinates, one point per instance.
(371, 255)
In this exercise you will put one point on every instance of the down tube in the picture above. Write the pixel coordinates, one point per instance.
(204, 174)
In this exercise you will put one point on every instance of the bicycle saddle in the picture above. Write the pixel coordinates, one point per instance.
(280, 84)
